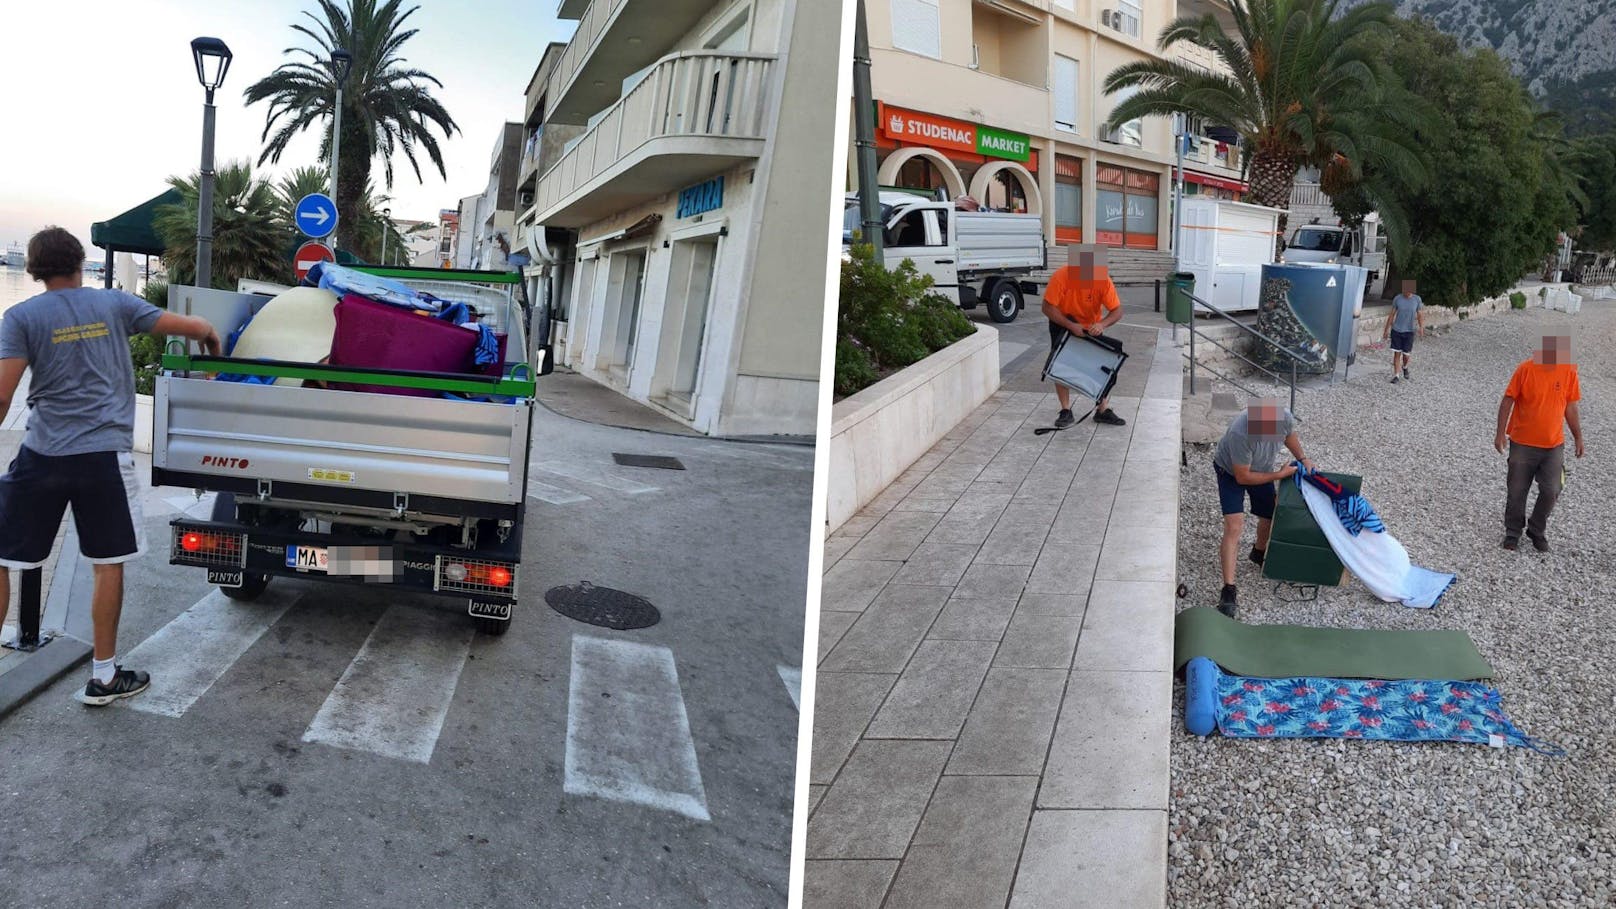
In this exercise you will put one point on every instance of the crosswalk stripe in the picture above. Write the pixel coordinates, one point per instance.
(628, 736)
(190, 653)
(596, 478)
(555, 495)
(393, 697)
(792, 677)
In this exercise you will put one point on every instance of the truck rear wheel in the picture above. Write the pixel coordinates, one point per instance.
(1004, 301)
(252, 586)
(490, 627)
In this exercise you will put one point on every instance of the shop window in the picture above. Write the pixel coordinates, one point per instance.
(1005, 193)
(922, 174)
(1127, 206)
(1068, 199)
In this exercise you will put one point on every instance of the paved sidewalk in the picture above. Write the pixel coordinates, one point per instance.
(993, 696)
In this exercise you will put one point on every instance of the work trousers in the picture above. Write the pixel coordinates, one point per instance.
(1528, 463)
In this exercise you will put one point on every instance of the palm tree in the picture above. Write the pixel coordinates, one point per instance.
(249, 235)
(386, 106)
(1300, 88)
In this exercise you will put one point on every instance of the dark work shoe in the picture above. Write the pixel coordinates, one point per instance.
(1227, 602)
(1540, 543)
(1394, 380)
(1511, 543)
(1109, 417)
(1064, 419)
(1405, 372)
(1257, 555)
(126, 683)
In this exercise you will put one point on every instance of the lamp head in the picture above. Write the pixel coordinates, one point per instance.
(341, 63)
(212, 58)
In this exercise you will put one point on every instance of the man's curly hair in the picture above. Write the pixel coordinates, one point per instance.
(54, 253)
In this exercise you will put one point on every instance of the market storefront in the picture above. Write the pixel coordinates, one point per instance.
(922, 151)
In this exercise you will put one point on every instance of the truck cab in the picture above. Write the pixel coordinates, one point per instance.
(972, 257)
(1332, 244)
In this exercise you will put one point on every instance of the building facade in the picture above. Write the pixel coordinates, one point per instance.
(1003, 100)
(658, 147)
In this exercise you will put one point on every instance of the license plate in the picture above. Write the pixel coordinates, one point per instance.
(487, 610)
(307, 558)
(224, 578)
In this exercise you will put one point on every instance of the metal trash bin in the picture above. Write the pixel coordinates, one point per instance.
(1180, 284)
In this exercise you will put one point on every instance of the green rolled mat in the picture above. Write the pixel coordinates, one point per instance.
(1282, 651)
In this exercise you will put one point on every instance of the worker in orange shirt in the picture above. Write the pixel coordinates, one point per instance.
(1539, 403)
(1081, 299)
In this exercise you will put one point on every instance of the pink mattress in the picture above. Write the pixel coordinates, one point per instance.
(379, 336)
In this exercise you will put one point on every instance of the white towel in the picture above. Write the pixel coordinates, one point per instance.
(1377, 559)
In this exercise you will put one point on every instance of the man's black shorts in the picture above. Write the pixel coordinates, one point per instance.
(99, 486)
(1403, 341)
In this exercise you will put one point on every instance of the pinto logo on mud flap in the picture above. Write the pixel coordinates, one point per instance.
(222, 461)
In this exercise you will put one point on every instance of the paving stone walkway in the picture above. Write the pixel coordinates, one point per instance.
(993, 696)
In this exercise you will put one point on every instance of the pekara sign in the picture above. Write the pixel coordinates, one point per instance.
(902, 125)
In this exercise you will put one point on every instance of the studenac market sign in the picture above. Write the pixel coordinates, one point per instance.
(956, 135)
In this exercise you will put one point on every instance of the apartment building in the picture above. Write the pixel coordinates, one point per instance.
(661, 140)
(1002, 100)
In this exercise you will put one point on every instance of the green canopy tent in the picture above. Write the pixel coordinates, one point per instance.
(132, 231)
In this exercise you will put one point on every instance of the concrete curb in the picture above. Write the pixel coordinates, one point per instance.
(66, 612)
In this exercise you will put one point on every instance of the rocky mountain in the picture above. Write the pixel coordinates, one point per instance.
(1564, 50)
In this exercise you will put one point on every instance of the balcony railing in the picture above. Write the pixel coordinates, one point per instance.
(693, 93)
(1308, 195)
(590, 27)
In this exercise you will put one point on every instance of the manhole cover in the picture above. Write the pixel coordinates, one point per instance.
(661, 462)
(603, 606)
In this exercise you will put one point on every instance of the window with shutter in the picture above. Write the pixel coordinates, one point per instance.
(916, 27)
(1065, 93)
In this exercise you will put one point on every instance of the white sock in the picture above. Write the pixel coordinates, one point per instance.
(101, 670)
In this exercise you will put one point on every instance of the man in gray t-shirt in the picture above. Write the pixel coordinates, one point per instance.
(1244, 465)
(76, 452)
(1407, 317)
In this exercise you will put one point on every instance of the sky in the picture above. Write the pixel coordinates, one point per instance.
(101, 103)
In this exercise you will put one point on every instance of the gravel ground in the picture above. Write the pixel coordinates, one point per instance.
(1333, 823)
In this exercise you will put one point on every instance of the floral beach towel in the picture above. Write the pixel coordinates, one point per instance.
(1402, 711)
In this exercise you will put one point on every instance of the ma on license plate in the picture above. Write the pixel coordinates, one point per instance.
(307, 558)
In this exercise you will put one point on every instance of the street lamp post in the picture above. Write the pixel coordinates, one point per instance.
(212, 58)
(341, 63)
(387, 226)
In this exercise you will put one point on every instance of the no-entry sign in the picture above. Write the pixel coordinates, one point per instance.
(310, 253)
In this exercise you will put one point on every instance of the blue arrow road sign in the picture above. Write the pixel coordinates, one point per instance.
(316, 215)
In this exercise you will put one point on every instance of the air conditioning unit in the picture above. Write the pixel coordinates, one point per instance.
(526, 198)
(1105, 18)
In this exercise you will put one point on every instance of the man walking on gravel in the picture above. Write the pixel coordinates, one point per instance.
(1081, 300)
(1244, 464)
(1400, 328)
(77, 450)
(1539, 403)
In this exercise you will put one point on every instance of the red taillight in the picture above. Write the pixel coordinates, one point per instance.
(499, 577)
(191, 542)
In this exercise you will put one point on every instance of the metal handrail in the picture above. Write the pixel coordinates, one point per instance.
(1294, 357)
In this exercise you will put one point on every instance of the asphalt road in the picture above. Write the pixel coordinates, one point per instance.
(331, 746)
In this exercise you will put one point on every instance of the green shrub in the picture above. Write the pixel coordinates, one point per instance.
(145, 352)
(888, 320)
(854, 368)
(1517, 300)
(156, 293)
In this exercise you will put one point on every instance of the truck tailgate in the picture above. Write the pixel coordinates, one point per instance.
(346, 440)
(998, 240)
